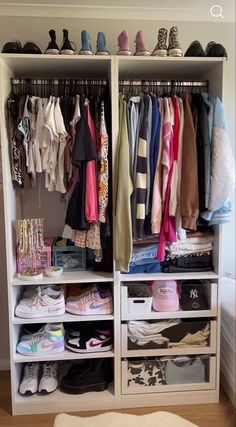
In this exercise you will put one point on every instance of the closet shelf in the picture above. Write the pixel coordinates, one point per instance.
(65, 355)
(64, 318)
(54, 402)
(155, 315)
(24, 65)
(69, 277)
(168, 276)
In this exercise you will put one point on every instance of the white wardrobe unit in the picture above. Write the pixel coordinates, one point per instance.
(25, 204)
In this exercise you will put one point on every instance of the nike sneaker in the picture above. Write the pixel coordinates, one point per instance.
(48, 340)
(41, 302)
(29, 382)
(49, 380)
(91, 338)
(97, 300)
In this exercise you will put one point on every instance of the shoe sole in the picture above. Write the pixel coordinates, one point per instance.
(52, 52)
(83, 389)
(90, 350)
(175, 52)
(124, 52)
(142, 53)
(67, 52)
(102, 53)
(39, 353)
(159, 52)
(85, 52)
(83, 313)
(28, 393)
(23, 315)
(44, 392)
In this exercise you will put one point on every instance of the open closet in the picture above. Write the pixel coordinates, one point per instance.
(45, 75)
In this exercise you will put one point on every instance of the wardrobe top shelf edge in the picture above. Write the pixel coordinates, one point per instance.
(27, 65)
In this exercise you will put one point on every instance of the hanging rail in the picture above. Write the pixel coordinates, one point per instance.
(164, 83)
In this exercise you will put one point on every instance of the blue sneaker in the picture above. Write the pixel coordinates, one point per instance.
(101, 45)
(86, 48)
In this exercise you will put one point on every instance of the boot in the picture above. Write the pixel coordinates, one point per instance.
(101, 45)
(123, 43)
(141, 48)
(161, 47)
(174, 48)
(67, 48)
(86, 48)
(52, 48)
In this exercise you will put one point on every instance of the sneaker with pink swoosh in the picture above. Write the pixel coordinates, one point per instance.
(91, 339)
(97, 300)
(48, 340)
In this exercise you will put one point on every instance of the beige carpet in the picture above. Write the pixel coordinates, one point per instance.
(114, 419)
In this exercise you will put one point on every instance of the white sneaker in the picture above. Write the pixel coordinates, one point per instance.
(29, 383)
(41, 301)
(49, 380)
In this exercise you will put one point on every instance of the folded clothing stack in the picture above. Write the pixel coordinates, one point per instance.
(191, 254)
(144, 258)
(167, 334)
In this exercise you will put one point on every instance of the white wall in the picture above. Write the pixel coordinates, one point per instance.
(36, 29)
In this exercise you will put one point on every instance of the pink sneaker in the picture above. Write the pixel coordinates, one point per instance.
(95, 301)
(141, 48)
(123, 43)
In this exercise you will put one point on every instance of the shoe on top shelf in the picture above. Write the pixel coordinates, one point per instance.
(195, 49)
(174, 48)
(86, 48)
(67, 48)
(96, 300)
(52, 48)
(31, 48)
(91, 337)
(29, 382)
(12, 47)
(49, 340)
(101, 44)
(215, 50)
(161, 46)
(140, 45)
(41, 301)
(49, 380)
(123, 43)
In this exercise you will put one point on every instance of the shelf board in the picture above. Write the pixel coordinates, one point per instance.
(166, 68)
(66, 278)
(24, 65)
(168, 276)
(58, 401)
(155, 315)
(64, 318)
(175, 351)
(65, 355)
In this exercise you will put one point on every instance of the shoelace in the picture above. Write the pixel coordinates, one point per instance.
(87, 295)
(49, 370)
(29, 371)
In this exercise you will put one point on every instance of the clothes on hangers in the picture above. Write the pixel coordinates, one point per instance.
(181, 167)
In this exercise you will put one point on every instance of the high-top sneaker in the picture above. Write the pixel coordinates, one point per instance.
(161, 47)
(101, 45)
(174, 48)
(67, 48)
(52, 48)
(123, 43)
(141, 48)
(86, 48)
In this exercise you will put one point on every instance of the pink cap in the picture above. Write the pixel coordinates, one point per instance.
(165, 295)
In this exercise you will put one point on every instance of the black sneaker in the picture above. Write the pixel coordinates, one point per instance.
(216, 49)
(91, 375)
(52, 48)
(31, 48)
(67, 48)
(193, 295)
(195, 49)
(12, 47)
(90, 338)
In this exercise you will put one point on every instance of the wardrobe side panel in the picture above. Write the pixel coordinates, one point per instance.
(12, 209)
